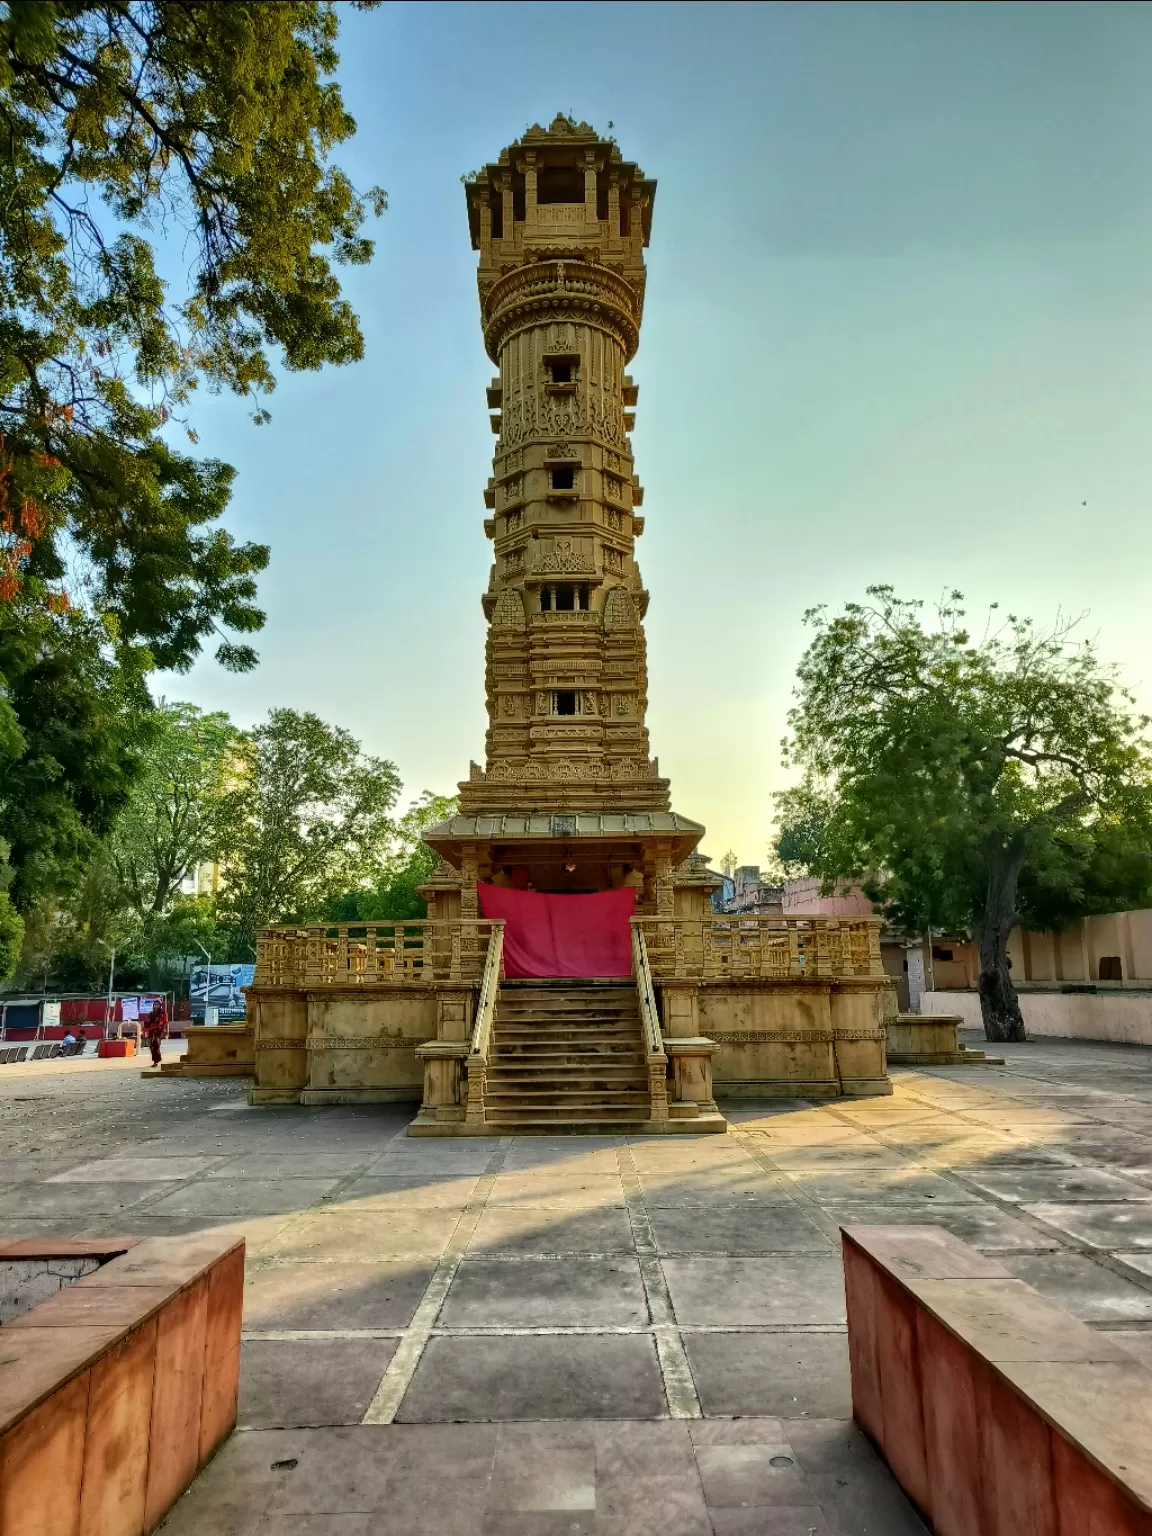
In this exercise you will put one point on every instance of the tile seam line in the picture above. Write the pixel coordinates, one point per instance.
(401, 1369)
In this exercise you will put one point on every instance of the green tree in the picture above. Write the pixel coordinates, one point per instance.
(396, 893)
(970, 784)
(212, 123)
(308, 817)
(171, 822)
(11, 923)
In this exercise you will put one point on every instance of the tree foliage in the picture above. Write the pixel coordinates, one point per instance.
(172, 820)
(971, 784)
(309, 816)
(396, 892)
(144, 135)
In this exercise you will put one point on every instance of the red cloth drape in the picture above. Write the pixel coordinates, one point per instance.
(550, 934)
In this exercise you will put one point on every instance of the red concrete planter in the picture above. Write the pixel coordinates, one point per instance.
(116, 1391)
(999, 1413)
(116, 1048)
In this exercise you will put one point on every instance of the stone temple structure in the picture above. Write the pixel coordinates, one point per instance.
(569, 800)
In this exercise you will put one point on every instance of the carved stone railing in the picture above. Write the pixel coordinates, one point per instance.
(482, 1027)
(762, 948)
(315, 955)
(650, 1019)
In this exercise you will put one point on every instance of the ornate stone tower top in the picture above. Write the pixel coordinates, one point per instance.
(561, 222)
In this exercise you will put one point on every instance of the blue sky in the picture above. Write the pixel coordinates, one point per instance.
(898, 328)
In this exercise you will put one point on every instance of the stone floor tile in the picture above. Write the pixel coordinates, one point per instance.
(830, 1445)
(336, 1295)
(229, 1198)
(785, 1375)
(414, 1156)
(870, 1504)
(1138, 1261)
(811, 1159)
(802, 1520)
(522, 1479)
(1123, 1225)
(527, 1230)
(796, 1289)
(643, 1449)
(1137, 1341)
(425, 1505)
(572, 1154)
(503, 1293)
(972, 1155)
(735, 1229)
(334, 1234)
(238, 1485)
(895, 1186)
(51, 1200)
(1083, 1287)
(739, 1476)
(409, 1192)
(982, 1226)
(1028, 1185)
(540, 1523)
(739, 1431)
(550, 1377)
(290, 1165)
(339, 1470)
(139, 1170)
(564, 1191)
(648, 1505)
(303, 1382)
(317, 1525)
(732, 1184)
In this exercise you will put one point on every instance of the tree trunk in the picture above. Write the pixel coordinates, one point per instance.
(999, 1005)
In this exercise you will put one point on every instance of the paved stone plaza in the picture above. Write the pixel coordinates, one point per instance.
(575, 1335)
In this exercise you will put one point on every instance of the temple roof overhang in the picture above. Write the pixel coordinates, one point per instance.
(448, 837)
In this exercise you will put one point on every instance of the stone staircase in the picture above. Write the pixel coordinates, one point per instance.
(567, 1056)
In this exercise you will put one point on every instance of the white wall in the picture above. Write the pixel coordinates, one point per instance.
(1118, 1016)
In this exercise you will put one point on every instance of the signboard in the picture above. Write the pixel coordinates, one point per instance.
(219, 987)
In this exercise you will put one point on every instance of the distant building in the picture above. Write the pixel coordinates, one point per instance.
(745, 892)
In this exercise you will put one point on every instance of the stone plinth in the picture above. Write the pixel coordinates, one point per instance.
(117, 1390)
(930, 1040)
(997, 1410)
(215, 1050)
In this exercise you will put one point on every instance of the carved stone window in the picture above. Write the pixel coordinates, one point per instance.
(565, 701)
(562, 478)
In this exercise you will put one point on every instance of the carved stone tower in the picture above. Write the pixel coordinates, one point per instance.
(569, 798)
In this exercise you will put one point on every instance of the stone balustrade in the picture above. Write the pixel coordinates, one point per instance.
(316, 955)
(766, 948)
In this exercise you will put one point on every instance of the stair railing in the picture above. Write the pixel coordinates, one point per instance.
(477, 1065)
(650, 1020)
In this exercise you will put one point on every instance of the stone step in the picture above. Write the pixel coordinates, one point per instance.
(529, 1072)
(628, 1098)
(561, 1114)
(587, 1084)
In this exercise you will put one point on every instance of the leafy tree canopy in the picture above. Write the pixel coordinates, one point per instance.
(309, 816)
(396, 893)
(970, 784)
(200, 132)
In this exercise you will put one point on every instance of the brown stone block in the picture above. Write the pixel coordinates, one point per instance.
(225, 1306)
(219, 1402)
(1088, 1501)
(66, 1247)
(1016, 1462)
(859, 1292)
(175, 1433)
(41, 1462)
(897, 1356)
(949, 1377)
(100, 1306)
(34, 1362)
(173, 1263)
(116, 1449)
(928, 1253)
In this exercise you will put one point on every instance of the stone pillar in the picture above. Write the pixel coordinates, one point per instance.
(691, 1059)
(442, 1097)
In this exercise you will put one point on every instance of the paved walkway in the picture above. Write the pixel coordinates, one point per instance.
(606, 1336)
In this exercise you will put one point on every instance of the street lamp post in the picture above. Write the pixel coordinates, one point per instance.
(108, 1004)
(207, 983)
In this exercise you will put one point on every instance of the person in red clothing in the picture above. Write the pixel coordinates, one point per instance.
(154, 1030)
